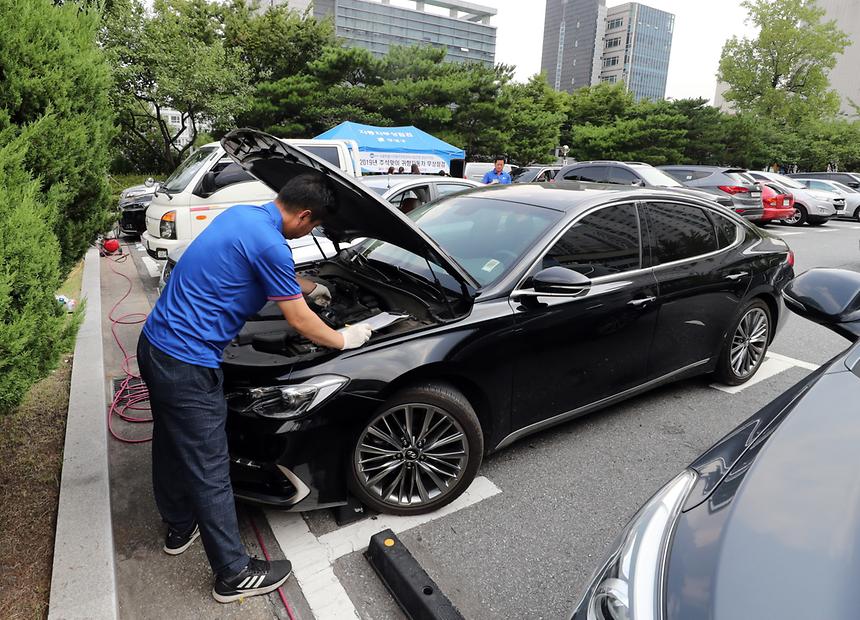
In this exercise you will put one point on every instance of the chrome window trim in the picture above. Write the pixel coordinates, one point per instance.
(623, 274)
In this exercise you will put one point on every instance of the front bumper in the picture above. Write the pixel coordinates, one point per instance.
(296, 465)
(159, 248)
(771, 214)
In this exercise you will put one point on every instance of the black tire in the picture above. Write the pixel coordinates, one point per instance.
(445, 406)
(726, 372)
(857, 214)
(802, 216)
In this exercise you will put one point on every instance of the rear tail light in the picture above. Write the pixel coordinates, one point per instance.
(734, 189)
(167, 226)
(790, 258)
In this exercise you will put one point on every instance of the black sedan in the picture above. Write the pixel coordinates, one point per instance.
(765, 523)
(507, 310)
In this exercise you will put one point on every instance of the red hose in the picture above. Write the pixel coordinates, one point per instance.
(266, 554)
(128, 398)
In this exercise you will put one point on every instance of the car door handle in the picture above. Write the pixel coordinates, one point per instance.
(737, 276)
(639, 303)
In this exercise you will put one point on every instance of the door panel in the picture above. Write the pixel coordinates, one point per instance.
(575, 350)
(699, 295)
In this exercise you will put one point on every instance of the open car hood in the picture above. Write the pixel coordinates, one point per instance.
(361, 213)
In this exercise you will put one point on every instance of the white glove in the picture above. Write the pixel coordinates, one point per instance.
(355, 335)
(321, 296)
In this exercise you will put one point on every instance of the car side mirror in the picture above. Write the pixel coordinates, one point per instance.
(830, 297)
(149, 182)
(207, 184)
(560, 281)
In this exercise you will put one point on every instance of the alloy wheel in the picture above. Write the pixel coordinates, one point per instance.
(794, 219)
(411, 454)
(749, 342)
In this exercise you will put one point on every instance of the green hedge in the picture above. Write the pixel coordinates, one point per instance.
(56, 124)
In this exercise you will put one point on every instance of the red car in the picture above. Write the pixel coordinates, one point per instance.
(778, 203)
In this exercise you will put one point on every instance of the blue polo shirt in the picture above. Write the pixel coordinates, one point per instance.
(503, 177)
(226, 274)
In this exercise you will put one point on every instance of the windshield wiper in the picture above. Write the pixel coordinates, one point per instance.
(165, 191)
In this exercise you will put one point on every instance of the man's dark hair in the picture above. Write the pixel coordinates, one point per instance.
(500, 158)
(309, 191)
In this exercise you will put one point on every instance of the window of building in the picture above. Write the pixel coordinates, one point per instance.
(613, 42)
(611, 61)
(615, 23)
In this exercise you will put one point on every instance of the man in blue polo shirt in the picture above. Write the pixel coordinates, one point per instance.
(227, 274)
(497, 174)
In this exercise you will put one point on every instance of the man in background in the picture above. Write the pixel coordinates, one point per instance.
(497, 175)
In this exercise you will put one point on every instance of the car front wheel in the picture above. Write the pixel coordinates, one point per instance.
(419, 453)
(746, 344)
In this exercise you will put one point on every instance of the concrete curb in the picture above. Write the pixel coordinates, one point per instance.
(83, 583)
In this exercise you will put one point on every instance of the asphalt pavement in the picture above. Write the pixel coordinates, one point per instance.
(526, 548)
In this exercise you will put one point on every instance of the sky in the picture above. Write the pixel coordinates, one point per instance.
(701, 29)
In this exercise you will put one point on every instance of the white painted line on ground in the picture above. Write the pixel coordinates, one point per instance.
(356, 536)
(152, 266)
(313, 558)
(786, 234)
(793, 362)
(139, 247)
(773, 364)
(826, 230)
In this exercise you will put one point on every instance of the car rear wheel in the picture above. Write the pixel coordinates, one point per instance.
(857, 214)
(746, 344)
(419, 453)
(799, 218)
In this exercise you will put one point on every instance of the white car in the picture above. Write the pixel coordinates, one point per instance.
(851, 195)
(812, 206)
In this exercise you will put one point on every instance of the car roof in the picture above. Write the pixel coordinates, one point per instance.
(386, 180)
(571, 196)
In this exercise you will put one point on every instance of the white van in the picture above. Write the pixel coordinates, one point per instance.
(208, 182)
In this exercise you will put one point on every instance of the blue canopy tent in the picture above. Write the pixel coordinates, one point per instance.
(382, 147)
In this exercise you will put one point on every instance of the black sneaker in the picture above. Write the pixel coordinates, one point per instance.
(175, 543)
(259, 577)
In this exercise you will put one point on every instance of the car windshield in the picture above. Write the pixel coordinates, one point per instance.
(485, 237)
(844, 188)
(787, 181)
(656, 177)
(524, 174)
(186, 171)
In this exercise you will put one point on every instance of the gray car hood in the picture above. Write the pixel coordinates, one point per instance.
(361, 213)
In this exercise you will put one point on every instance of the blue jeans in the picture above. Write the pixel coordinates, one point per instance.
(190, 460)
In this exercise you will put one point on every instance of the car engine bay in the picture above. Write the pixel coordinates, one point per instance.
(353, 301)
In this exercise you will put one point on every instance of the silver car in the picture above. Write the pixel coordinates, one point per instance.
(851, 195)
(812, 206)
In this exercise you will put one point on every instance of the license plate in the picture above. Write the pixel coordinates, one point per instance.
(161, 253)
(755, 194)
(786, 202)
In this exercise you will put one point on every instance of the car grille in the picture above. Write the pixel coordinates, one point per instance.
(839, 203)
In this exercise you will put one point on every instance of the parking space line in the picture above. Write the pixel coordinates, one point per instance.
(786, 234)
(794, 362)
(826, 230)
(773, 364)
(313, 558)
(151, 265)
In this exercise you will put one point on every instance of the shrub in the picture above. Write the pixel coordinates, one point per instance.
(52, 70)
(34, 331)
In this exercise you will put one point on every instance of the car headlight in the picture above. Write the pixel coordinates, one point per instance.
(629, 583)
(287, 402)
(167, 225)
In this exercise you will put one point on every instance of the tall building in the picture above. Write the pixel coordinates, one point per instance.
(572, 45)
(464, 32)
(843, 78)
(636, 45)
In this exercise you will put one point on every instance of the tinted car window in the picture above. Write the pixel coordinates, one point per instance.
(601, 243)
(727, 230)
(327, 153)
(227, 172)
(622, 176)
(411, 198)
(444, 189)
(819, 185)
(591, 174)
(680, 231)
